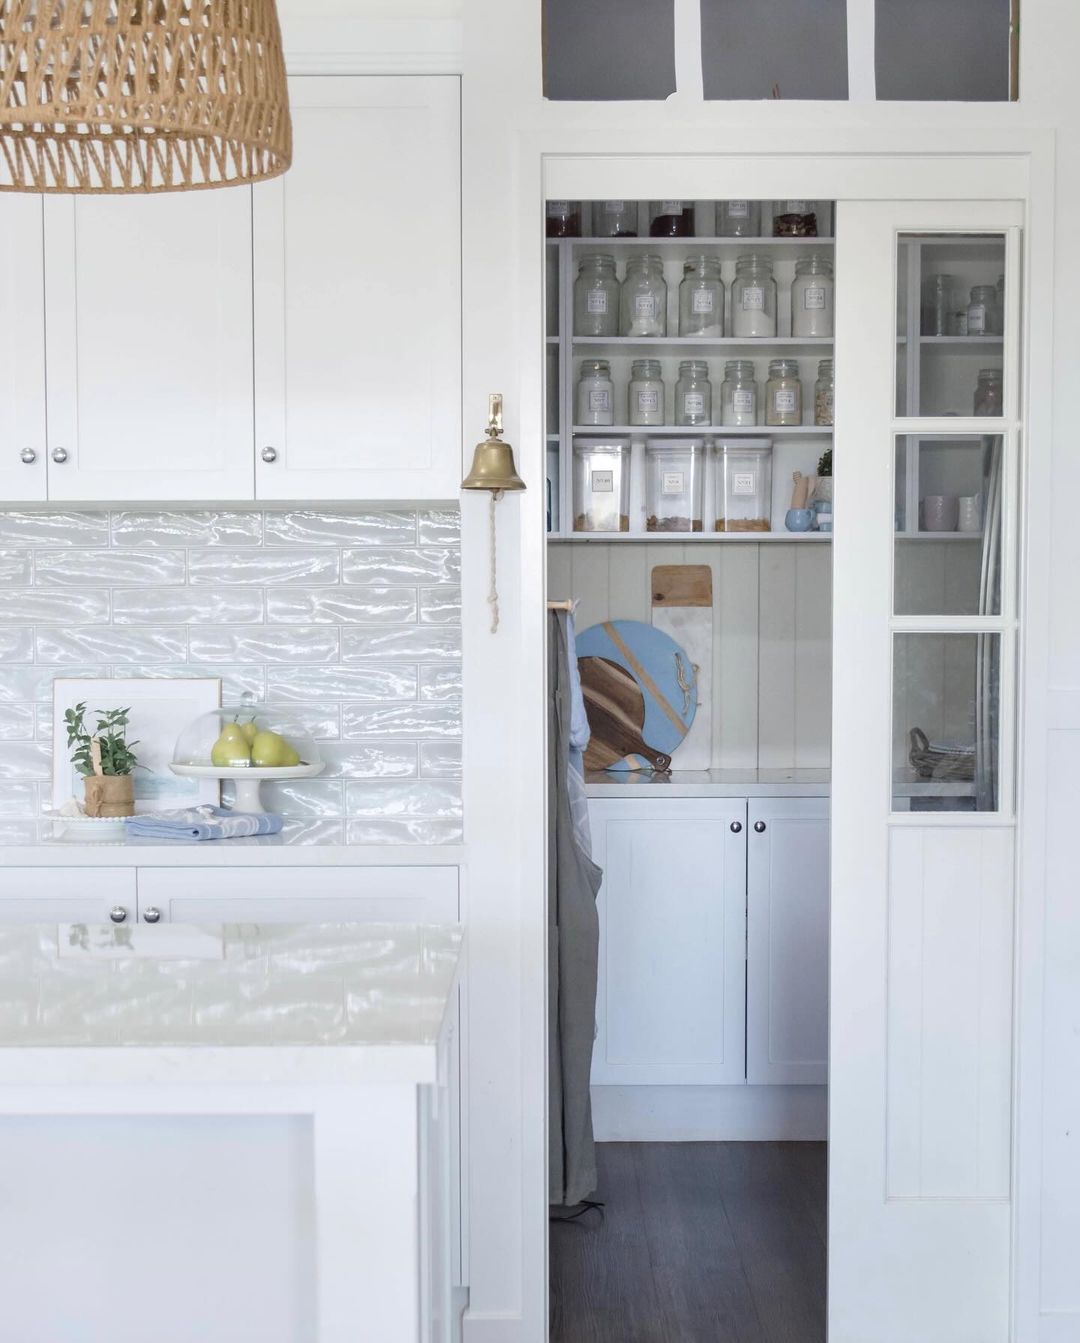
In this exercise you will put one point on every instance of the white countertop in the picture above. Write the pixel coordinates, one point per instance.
(233, 1003)
(710, 783)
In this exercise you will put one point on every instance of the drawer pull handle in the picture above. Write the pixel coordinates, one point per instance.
(118, 914)
(152, 915)
(759, 827)
(736, 827)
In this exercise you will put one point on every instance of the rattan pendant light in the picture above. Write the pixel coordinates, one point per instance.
(141, 95)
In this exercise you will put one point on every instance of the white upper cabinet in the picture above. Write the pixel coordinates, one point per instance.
(149, 346)
(358, 295)
(22, 352)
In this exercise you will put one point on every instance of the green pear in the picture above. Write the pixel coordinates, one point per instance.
(271, 751)
(250, 731)
(231, 748)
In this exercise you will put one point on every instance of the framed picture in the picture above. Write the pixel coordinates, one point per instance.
(160, 710)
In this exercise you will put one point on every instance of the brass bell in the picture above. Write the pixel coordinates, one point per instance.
(493, 461)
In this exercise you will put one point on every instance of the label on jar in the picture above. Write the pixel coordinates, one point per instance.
(671, 207)
(600, 400)
(672, 483)
(602, 482)
(648, 403)
(753, 298)
(796, 207)
(614, 207)
(784, 401)
(814, 296)
(742, 401)
(743, 482)
(558, 209)
(644, 305)
(694, 403)
(976, 320)
(596, 300)
(738, 209)
(703, 300)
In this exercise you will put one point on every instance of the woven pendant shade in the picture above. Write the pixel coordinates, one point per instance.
(141, 95)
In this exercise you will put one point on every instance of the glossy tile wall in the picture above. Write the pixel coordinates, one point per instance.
(347, 622)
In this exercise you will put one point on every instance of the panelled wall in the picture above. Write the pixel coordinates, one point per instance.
(772, 643)
(346, 623)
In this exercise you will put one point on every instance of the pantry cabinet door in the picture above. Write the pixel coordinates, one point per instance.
(787, 941)
(671, 993)
(358, 295)
(22, 351)
(67, 895)
(149, 346)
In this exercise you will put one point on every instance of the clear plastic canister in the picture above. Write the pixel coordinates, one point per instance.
(601, 485)
(744, 485)
(674, 484)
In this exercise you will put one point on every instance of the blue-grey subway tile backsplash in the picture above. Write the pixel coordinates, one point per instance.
(346, 623)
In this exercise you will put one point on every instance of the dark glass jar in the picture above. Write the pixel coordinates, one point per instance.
(671, 219)
(564, 219)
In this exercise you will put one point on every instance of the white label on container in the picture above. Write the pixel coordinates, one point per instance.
(558, 208)
(648, 401)
(614, 207)
(672, 483)
(596, 300)
(602, 482)
(796, 207)
(703, 300)
(976, 323)
(644, 305)
(671, 207)
(738, 209)
(753, 298)
(694, 403)
(600, 399)
(814, 296)
(743, 482)
(742, 402)
(784, 400)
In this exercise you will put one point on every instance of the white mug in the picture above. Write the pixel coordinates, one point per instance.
(970, 513)
(941, 512)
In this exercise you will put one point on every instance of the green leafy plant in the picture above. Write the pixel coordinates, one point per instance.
(117, 753)
(824, 466)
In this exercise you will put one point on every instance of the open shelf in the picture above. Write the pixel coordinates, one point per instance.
(609, 346)
(699, 430)
(694, 538)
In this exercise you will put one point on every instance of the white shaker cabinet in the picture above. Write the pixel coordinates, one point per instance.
(22, 351)
(149, 346)
(787, 975)
(66, 895)
(671, 995)
(358, 294)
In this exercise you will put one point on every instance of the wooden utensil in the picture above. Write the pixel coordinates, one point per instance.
(682, 606)
(616, 709)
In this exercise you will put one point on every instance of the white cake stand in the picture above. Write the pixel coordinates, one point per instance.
(247, 778)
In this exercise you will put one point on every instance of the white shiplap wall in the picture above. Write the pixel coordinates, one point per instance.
(772, 623)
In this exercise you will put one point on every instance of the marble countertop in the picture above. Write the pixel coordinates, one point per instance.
(231, 1002)
(710, 783)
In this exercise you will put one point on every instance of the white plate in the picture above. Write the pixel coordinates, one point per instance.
(90, 827)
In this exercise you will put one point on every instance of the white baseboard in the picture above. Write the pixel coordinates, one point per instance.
(710, 1114)
(485, 1327)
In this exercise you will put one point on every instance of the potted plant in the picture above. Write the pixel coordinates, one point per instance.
(823, 488)
(105, 759)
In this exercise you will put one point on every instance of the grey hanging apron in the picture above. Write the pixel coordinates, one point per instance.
(573, 944)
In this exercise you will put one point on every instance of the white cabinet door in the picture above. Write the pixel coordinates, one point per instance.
(787, 958)
(22, 351)
(358, 295)
(671, 995)
(149, 346)
(67, 895)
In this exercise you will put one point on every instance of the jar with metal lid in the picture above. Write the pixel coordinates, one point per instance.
(564, 219)
(645, 394)
(595, 401)
(783, 393)
(739, 393)
(937, 305)
(812, 297)
(674, 484)
(643, 297)
(596, 297)
(984, 312)
(824, 393)
(738, 219)
(753, 298)
(701, 297)
(601, 485)
(614, 219)
(795, 219)
(989, 393)
(693, 393)
(671, 219)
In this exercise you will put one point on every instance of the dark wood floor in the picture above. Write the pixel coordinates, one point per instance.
(700, 1243)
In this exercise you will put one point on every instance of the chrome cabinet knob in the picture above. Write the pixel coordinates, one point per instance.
(118, 914)
(759, 827)
(59, 456)
(736, 827)
(152, 915)
(28, 456)
(269, 454)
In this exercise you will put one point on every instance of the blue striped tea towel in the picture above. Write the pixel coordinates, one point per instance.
(202, 823)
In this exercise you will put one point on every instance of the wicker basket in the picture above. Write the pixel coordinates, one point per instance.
(939, 762)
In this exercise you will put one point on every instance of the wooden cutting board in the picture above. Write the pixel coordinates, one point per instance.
(616, 709)
(682, 606)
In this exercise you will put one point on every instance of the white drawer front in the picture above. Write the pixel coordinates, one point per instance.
(66, 894)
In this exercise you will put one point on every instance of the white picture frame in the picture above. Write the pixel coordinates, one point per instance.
(160, 710)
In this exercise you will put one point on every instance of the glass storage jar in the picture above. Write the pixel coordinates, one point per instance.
(674, 484)
(753, 298)
(984, 317)
(614, 219)
(795, 219)
(595, 401)
(989, 395)
(645, 394)
(738, 219)
(824, 393)
(693, 393)
(783, 393)
(643, 297)
(564, 219)
(739, 393)
(812, 297)
(701, 297)
(937, 305)
(601, 485)
(744, 485)
(671, 219)
(596, 297)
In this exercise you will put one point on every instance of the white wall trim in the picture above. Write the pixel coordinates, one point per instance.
(710, 1114)
(372, 46)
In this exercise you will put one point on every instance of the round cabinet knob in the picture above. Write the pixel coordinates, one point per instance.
(28, 456)
(736, 827)
(759, 827)
(118, 914)
(269, 454)
(59, 455)
(152, 915)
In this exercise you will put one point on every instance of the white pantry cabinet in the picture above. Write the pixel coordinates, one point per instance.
(66, 895)
(22, 352)
(358, 294)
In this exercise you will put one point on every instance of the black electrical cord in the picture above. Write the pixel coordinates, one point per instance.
(586, 1205)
